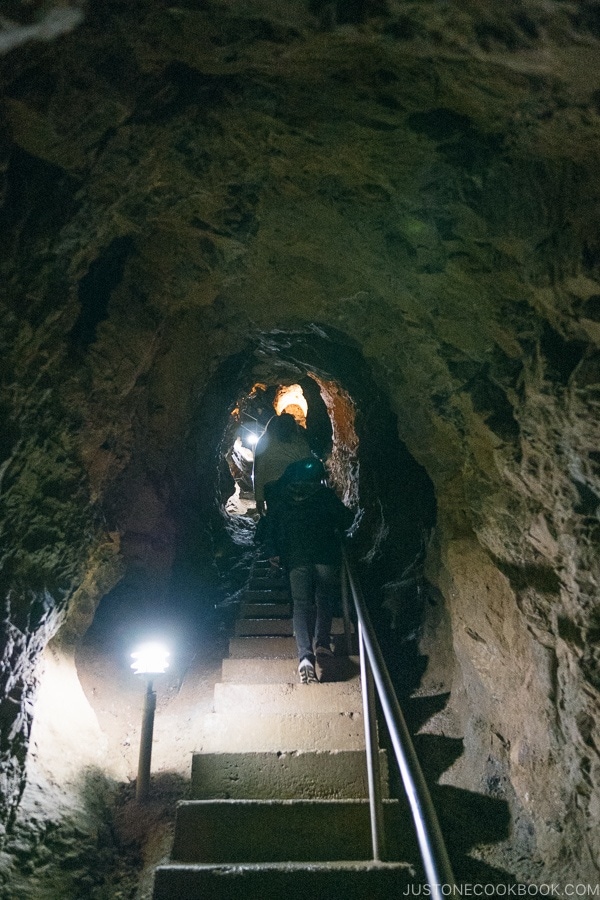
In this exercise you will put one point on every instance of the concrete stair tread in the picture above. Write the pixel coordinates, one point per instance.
(291, 699)
(266, 647)
(295, 867)
(323, 774)
(266, 610)
(278, 733)
(349, 865)
(276, 646)
(266, 595)
(282, 806)
(276, 670)
(353, 880)
(267, 581)
(263, 626)
(275, 626)
(225, 831)
(267, 588)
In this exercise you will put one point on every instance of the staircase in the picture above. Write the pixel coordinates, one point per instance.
(279, 785)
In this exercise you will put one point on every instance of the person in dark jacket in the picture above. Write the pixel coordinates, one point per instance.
(305, 520)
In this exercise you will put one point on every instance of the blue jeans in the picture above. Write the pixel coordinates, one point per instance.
(313, 586)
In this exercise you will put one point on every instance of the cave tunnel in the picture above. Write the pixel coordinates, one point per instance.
(382, 216)
(183, 589)
(176, 560)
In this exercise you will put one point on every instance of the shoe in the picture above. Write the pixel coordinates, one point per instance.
(323, 651)
(307, 673)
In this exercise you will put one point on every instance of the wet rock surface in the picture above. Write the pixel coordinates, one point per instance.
(193, 192)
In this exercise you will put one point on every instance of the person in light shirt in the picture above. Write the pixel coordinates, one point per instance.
(282, 443)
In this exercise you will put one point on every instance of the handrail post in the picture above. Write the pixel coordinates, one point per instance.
(372, 753)
(346, 610)
(434, 854)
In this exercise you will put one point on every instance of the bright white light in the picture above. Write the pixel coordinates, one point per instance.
(252, 437)
(150, 659)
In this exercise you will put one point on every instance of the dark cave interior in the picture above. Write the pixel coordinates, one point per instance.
(392, 205)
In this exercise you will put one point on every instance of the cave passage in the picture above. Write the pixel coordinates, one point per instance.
(349, 424)
(188, 597)
(253, 412)
(184, 591)
(249, 420)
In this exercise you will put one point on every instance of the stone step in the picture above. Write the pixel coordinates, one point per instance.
(224, 733)
(266, 610)
(256, 627)
(274, 881)
(266, 647)
(279, 647)
(287, 699)
(263, 626)
(267, 584)
(264, 596)
(226, 831)
(260, 671)
(285, 671)
(337, 774)
(265, 570)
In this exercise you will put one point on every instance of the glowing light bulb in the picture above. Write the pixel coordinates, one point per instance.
(150, 659)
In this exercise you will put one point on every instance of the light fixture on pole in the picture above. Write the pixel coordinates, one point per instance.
(149, 659)
(249, 434)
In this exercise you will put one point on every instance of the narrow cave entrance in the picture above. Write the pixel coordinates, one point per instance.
(349, 424)
(249, 420)
(321, 408)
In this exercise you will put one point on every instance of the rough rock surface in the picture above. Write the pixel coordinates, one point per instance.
(191, 191)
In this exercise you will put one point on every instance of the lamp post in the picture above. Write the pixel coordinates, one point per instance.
(150, 659)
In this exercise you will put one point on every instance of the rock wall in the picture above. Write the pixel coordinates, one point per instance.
(419, 178)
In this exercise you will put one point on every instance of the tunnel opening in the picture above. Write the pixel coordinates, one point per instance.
(247, 425)
(185, 564)
(325, 416)
(186, 540)
(351, 426)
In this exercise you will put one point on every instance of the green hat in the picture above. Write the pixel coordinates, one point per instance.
(310, 469)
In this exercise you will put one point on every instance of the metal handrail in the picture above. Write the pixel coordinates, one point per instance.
(374, 671)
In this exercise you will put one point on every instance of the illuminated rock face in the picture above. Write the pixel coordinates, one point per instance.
(188, 192)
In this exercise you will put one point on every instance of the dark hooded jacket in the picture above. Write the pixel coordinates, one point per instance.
(304, 522)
